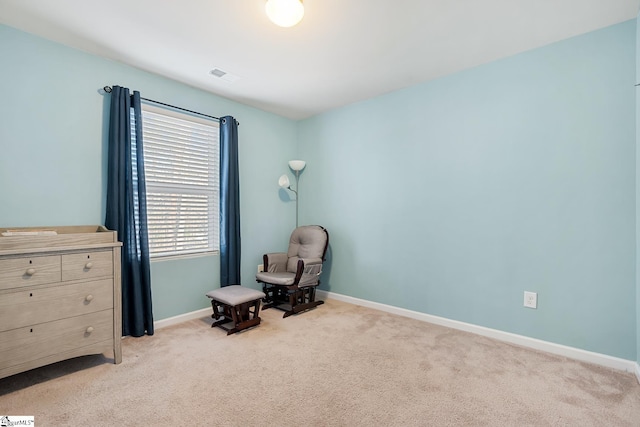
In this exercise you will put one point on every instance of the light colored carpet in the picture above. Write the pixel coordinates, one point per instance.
(337, 365)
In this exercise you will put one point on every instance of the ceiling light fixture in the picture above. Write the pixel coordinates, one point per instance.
(285, 13)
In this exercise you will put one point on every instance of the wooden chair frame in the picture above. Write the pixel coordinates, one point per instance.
(241, 315)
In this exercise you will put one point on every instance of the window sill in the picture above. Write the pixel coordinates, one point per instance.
(185, 256)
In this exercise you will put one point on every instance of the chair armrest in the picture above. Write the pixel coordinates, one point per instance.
(275, 262)
(308, 271)
(312, 265)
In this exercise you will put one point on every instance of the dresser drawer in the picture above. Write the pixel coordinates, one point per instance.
(29, 271)
(31, 307)
(87, 265)
(22, 345)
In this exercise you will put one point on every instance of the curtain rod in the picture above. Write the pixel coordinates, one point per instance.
(108, 90)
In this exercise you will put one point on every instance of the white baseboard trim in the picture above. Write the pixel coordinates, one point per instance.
(170, 321)
(638, 372)
(549, 347)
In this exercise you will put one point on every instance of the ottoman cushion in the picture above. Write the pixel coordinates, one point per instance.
(235, 294)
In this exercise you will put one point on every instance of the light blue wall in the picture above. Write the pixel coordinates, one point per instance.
(638, 188)
(449, 198)
(454, 196)
(53, 144)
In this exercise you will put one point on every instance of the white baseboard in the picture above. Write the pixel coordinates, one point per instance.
(170, 321)
(549, 347)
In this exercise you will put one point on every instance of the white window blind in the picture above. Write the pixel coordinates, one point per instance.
(181, 162)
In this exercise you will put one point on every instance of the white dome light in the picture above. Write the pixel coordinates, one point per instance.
(285, 13)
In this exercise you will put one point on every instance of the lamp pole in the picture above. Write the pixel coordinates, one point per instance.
(296, 166)
(295, 191)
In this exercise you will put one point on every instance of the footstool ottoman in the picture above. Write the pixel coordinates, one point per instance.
(233, 303)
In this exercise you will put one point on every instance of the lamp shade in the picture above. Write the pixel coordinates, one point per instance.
(297, 165)
(284, 181)
(285, 13)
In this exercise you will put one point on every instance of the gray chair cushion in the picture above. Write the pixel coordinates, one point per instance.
(306, 242)
(277, 261)
(282, 278)
(235, 294)
(287, 278)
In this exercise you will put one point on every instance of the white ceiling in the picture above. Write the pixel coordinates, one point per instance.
(343, 51)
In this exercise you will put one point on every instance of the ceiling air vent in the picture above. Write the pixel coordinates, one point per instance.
(223, 75)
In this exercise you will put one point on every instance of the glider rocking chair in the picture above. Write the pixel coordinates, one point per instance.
(289, 280)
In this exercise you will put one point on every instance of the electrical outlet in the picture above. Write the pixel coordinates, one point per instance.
(530, 299)
(260, 268)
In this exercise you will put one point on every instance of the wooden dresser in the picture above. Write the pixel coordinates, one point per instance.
(59, 295)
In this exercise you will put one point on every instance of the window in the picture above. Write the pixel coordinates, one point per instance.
(181, 155)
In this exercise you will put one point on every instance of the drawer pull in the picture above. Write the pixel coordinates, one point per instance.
(89, 329)
(88, 265)
(88, 298)
(31, 271)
